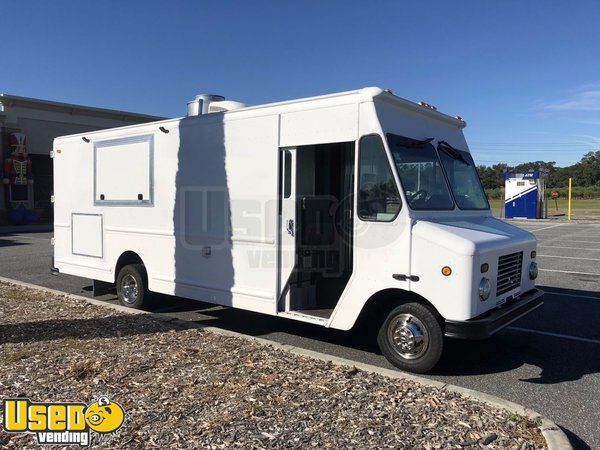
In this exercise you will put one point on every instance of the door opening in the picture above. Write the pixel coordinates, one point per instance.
(323, 186)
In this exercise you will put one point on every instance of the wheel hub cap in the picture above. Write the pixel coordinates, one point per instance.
(129, 289)
(408, 336)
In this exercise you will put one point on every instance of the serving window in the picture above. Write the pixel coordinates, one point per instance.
(123, 171)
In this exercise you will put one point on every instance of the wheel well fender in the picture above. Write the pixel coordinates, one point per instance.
(377, 307)
(126, 258)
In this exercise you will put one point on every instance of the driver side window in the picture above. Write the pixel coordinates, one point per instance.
(378, 197)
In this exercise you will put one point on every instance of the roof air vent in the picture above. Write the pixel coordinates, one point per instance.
(201, 103)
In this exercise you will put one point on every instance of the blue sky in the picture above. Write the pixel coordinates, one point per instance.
(524, 74)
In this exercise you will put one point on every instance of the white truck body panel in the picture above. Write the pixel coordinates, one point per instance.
(197, 199)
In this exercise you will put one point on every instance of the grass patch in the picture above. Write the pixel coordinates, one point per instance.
(19, 293)
(16, 355)
(583, 207)
(518, 419)
(75, 343)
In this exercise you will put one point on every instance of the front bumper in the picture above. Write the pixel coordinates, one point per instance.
(490, 322)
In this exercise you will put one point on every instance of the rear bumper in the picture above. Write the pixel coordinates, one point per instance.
(490, 322)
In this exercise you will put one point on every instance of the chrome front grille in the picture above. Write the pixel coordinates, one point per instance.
(509, 272)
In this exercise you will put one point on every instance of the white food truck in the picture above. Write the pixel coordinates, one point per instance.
(351, 208)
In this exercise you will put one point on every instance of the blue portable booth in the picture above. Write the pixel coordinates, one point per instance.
(524, 194)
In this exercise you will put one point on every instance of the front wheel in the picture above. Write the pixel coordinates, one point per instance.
(132, 288)
(411, 338)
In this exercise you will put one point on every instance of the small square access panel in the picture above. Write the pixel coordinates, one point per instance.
(86, 231)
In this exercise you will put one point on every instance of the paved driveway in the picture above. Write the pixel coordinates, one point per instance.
(549, 361)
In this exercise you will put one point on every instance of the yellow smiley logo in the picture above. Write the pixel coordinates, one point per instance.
(104, 416)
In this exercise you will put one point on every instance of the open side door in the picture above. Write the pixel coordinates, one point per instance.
(287, 226)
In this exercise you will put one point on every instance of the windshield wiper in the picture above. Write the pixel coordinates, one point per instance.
(416, 143)
(405, 142)
(452, 152)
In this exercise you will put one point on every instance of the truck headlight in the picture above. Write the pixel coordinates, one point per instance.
(485, 288)
(533, 270)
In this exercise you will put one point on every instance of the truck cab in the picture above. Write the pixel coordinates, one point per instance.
(425, 234)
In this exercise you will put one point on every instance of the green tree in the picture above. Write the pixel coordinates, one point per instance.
(585, 173)
(588, 170)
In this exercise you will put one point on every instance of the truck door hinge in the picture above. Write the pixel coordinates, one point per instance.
(402, 277)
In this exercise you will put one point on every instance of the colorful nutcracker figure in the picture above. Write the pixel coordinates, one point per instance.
(17, 176)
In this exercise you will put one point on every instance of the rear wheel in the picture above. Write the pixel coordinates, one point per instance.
(411, 338)
(132, 286)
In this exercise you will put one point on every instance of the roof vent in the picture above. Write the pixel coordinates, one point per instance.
(201, 103)
(226, 105)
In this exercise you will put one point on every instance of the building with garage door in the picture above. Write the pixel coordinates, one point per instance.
(33, 124)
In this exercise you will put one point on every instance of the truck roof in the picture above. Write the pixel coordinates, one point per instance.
(366, 94)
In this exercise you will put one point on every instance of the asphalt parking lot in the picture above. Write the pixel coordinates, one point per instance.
(549, 360)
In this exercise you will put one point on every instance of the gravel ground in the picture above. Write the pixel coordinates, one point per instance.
(189, 388)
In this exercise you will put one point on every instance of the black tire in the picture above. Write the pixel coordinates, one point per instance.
(407, 353)
(133, 273)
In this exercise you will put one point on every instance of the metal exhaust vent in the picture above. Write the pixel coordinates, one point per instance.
(201, 103)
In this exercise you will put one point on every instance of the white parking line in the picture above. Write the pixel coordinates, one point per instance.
(20, 236)
(570, 248)
(569, 257)
(561, 294)
(547, 228)
(567, 230)
(571, 240)
(568, 271)
(558, 335)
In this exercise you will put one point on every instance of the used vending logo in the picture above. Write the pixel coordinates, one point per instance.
(63, 423)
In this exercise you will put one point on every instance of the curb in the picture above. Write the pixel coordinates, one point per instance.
(555, 438)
